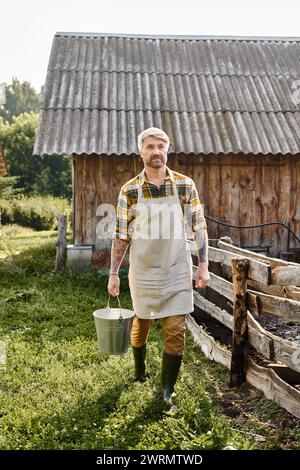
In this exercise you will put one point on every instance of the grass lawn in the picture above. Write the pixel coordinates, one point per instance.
(58, 392)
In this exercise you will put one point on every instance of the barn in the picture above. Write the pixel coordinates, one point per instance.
(229, 104)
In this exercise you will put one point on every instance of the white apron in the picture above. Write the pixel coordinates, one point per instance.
(160, 272)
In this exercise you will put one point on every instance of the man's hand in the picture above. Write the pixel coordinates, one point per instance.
(113, 285)
(202, 276)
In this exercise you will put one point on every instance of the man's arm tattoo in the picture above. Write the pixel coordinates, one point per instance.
(201, 239)
(118, 250)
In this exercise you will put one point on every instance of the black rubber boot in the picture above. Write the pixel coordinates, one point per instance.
(139, 355)
(170, 369)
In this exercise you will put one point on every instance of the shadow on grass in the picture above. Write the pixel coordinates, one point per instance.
(90, 425)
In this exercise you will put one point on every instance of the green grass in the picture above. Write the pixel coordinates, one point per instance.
(57, 391)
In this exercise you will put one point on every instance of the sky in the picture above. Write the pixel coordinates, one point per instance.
(27, 27)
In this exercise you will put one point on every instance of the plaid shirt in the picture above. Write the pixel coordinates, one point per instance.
(187, 193)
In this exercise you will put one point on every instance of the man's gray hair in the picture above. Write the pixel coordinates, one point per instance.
(153, 132)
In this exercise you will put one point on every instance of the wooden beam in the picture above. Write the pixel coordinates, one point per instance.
(273, 262)
(273, 347)
(286, 275)
(257, 270)
(273, 387)
(287, 309)
(207, 344)
(216, 312)
(239, 268)
(283, 273)
(285, 373)
(219, 285)
(288, 292)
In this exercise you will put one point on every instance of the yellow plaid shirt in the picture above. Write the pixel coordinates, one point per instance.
(187, 193)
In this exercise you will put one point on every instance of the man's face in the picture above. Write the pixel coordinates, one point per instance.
(154, 152)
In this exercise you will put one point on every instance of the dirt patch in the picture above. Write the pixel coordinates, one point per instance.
(277, 326)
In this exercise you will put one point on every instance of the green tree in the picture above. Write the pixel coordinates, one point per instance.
(21, 97)
(7, 187)
(50, 175)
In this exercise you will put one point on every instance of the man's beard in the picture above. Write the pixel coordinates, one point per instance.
(156, 163)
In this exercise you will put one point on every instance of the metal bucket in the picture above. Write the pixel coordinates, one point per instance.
(113, 327)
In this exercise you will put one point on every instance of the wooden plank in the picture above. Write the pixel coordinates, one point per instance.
(293, 162)
(260, 342)
(274, 347)
(107, 186)
(226, 194)
(249, 210)
(273, 387)
(295, 214)
(219, 284)
(285, 373)
(273, 262)
(282, 273)
(86, 175)
(198, 175)
(207, 344)
(286, 275)
(262, 378)
(259, 339)
(257, 270)
(283, 173)
(254, 304)
(239, 268)
(268, 200)
(288, 292)
(235, 202)
(288, 309)
(216, 312)
(214, 193)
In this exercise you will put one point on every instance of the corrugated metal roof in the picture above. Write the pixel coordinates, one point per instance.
(209, 95)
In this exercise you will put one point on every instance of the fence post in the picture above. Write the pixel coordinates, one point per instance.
(240, 327)
(61, 243)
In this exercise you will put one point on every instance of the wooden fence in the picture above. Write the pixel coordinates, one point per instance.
(253, 284)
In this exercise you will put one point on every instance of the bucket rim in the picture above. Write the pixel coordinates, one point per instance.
(102, 313)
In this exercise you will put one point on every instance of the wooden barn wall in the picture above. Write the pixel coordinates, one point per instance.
(242, 190)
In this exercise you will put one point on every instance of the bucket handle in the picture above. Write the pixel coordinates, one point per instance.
(108, 306)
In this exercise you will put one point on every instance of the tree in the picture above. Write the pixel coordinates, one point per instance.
(47, 175)
(20, 98)
(7, 189)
